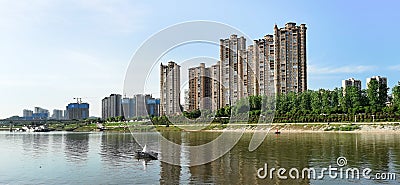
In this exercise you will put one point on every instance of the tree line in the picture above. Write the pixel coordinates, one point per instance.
(323, 105)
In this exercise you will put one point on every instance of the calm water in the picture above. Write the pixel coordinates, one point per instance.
(108, 158)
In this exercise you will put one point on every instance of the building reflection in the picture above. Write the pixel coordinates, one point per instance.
(170, 174)
(35, 143)
(117, 148)
(76, 147)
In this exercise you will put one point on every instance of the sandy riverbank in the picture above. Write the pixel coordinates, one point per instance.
(317, 128)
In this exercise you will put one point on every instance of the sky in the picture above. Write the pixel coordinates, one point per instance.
(52, 51)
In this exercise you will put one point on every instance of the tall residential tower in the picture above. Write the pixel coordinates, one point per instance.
(290, 67)
(231, 73)
(170, 89)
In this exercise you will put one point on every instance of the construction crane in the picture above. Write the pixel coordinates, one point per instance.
(78, 100)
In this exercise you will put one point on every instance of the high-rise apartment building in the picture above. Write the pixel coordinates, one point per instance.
(263, 59)
(186, 105)
(140, 105)
(200, 92)
(170, 89)
(152, 106)
(128, 107)
(57, 114)
(111, 106)
(351, 82)
(290, 63)
(27, 113)
(379, 79)
(231, 72)
(215, 86)
(40, 113)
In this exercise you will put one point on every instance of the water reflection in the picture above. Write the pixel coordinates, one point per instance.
(379, 152)
(35, 144)
(117, 149)
(109, 158)
(76, 147)
(170, 174)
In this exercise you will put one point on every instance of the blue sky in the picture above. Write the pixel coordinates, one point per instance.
(52, 51)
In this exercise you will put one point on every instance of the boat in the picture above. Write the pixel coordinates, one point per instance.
(144, 154)
(41, 128)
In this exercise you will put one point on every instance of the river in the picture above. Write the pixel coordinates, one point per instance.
(108, 158)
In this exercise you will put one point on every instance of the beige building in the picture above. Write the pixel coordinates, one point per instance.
(204, 87)
(170, 89)
(290, 64)
(264, 64)
(200, 83)
(351, 82)
(231, 73)
(215, 86)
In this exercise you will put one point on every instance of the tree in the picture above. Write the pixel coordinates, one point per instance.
(316, 103)
(353, 99)
(396, 97)
(382, 93)
(372, 94)
(305, 101)
(325, 101)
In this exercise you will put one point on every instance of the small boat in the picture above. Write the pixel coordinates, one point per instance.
(144, 154)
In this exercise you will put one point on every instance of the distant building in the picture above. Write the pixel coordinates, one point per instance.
(128, 107)
(57, 114)
(379, 79)
(170, 89)
(186, 104)
(140, 104)
(77, 111)
(40, 113)
(41, 110)
(152, 106)
(27, 114)
(351, 82)
(111, 106)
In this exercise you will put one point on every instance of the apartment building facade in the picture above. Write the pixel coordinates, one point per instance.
(170, 89)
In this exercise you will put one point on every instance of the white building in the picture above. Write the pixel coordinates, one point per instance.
(351, 82)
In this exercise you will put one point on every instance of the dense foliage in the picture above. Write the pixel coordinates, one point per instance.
(338, 105)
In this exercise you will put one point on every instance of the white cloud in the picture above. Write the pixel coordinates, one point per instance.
(395, 68)
(312, 69)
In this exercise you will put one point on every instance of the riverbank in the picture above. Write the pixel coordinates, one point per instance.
(383, 127)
